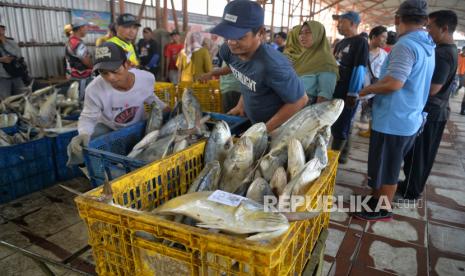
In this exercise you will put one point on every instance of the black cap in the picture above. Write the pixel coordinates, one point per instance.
(413, 7)
(109, 56)
(127, 20)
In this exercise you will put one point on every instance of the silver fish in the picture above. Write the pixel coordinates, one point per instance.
(295, 158)
(247, 218)
(259, 137)
(191, 110)
(157, 149)
(48, 111)
(155, 119)
(178, 122)
(5, 139)
(139, 147)
(219, 143)
(30, 112)
(308, 120)
(258, 190)
(7, 120)
(180, 145)
(73, 91)
(237, 165)
(321, 151)
(278, 181)
(272, 161)
(208, 178)
(301, 183)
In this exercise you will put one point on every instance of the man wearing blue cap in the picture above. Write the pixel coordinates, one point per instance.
(271, 91)
(352, 56)
(401, 94)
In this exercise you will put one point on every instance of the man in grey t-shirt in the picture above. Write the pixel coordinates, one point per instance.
(8, 50)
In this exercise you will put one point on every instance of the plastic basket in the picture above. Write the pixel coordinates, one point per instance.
(107, 153)
(131, 242)
(166, 92)
(208, 94)
(60, 154)
(25, 168)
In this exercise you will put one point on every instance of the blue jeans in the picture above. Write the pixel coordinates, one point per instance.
(341, 128)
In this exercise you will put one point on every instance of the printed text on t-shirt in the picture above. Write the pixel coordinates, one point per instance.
(244, 79)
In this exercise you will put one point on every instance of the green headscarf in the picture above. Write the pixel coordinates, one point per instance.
(293, 48)
(317, 58)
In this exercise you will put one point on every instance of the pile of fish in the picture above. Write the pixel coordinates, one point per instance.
(44, 108)
(254, 167)
(186, 127)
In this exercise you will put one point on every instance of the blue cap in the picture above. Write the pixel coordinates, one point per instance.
(239, 17)
(350, 15)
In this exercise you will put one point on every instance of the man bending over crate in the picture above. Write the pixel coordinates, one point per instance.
(271, 90)
(115, 99)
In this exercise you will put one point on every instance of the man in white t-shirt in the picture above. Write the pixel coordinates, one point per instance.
(115, 99)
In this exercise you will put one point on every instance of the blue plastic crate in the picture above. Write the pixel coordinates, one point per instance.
(107, 153)
(26, 168)
(60, 154)
(237, 124)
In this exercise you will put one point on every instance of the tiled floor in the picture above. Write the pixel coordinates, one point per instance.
(428, 240)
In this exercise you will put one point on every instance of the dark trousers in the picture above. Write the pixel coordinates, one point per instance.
(420, 159)
(341, 128)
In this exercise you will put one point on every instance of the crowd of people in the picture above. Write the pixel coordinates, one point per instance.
(402, 80)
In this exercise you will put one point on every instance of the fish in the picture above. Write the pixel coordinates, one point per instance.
(321, 151)
(157, 149)
(47, 111)
(278, 181)
(237, 165)
(303, 180)
(208, 178)
(73, 91)
(295, 158)
(30, 112)
(8, 120)
(155, 120)
(180, 145)
(142, 144)
(259, 136)
(258, 190)
(219, 143)
(177, 122)
(5, 139)
(248, 217)
(272, 161)
(191, 110)
(306, 123)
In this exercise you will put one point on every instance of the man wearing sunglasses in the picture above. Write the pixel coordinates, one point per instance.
(115, 99)
(271, 92)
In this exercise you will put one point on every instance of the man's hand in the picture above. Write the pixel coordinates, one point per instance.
(205, 77)
(6, 59)
(75, 149)
(351, 101)
(237, 111)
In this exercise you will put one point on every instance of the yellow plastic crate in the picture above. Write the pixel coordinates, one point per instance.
(166, 92)
(133, 242)
(208, 94)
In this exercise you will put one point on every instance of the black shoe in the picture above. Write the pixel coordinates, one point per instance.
(381, 215)
(462, 112)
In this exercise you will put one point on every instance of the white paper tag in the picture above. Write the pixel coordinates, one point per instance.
(225, 198)
(230, 17)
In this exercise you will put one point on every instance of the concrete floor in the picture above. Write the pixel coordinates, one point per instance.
(426, 240)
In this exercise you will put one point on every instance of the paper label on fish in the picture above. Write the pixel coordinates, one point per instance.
(226, 198)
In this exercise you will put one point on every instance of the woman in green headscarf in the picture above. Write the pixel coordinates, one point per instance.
(313, 61)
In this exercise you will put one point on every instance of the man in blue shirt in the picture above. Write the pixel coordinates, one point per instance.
(401, 94)
(271, 91)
